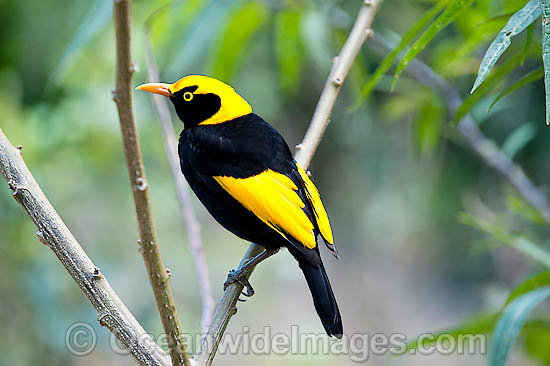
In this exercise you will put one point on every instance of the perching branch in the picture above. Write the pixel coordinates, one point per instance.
(53, 232)
(149, 247)
(486, 149)
(190, 220)
(226, 308)
(360, 31)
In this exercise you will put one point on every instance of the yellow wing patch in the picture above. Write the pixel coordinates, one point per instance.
(320, 212)
(273, 198)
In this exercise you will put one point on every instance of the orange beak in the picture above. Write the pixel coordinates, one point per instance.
(157, 88)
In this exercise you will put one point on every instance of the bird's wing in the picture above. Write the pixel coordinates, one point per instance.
(273, 198)
(319, 211)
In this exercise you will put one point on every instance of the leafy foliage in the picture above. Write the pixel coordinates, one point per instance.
(520, 243)
(545, 9)
(244, 23)
(491, 82)
(533, 283)
(519, 138)
(525, 80)
(516, 24)
(390, 58)
(289, 49)
(448, 15)
(511, 321)
(95, 21)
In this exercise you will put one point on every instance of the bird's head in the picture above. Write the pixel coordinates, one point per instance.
(201, 100)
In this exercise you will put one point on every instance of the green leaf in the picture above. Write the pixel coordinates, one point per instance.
(525, 80)
(316, 38)
(536, 340)
(289, 50)
(448, 15)
(519, 207)
(480, 325)
(511, 321)
(520, 243)
(502, 7)
(504, 69)
(172, 15)
(540, 280)
(98, 18)
(244, 22)
(199, 38)
(459, 53)
(520, 137)
(545, 10)
(485, 324)
(528, 41)
(517, 23)
(428, 125)
(388, 61)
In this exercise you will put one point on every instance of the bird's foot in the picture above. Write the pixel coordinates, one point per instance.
(240, 277)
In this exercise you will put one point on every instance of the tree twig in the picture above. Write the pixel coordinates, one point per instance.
(53, 232)
(149, 247)
(486, 149)
(190, 220)
(360, 31)
(225, 309)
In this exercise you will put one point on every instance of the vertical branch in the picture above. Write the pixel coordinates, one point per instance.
(53, 232)
(360, 31)
(158, 276)
(190, 220)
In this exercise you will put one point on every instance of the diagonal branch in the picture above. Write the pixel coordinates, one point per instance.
(53, 232)
(486, 149)
(150, 250)
(360, 31)
(190, 220)
(226, 308)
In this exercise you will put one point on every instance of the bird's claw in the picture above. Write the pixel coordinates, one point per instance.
(240, 277)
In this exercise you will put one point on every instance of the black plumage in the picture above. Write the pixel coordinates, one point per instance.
(241, 148)
(243, 172)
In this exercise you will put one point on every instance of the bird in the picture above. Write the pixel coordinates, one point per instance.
(242, 170)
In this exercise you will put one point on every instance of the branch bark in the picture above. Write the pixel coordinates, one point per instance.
(486, 149)
(226, 308)
(149, 246)
(192, 225)
(53, 232)
(361, 30)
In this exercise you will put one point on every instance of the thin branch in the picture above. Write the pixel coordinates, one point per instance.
(190, 220)
(53, 232)
(158, 276)
(486, 149)
(227, 307)
(360, 31)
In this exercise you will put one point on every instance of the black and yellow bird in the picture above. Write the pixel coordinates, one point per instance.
(243, 172)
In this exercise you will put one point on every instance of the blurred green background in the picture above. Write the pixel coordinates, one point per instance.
(394, 176)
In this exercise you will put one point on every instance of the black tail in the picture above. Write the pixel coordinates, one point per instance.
(323, 298)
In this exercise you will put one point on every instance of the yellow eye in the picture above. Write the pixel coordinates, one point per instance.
(187, 96)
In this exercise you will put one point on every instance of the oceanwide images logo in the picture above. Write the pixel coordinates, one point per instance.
(81, 340)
